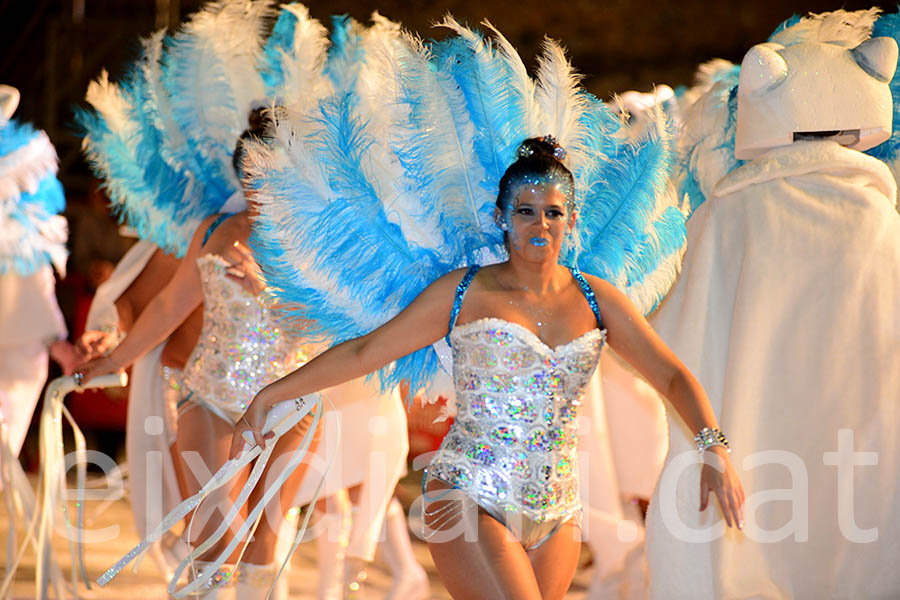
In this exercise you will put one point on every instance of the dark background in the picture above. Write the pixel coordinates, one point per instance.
(52, 48)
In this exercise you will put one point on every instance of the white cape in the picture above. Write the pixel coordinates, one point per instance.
(788, 312)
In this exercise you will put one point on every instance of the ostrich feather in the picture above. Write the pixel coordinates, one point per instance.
(294, 57)
(325, 242)
(631, 231)
(561, 101)
(499, 99)
(32, 234)
(212, 79)
(434, 143)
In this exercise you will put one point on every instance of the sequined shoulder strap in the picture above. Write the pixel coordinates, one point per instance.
(213, 226)
(458, 298)
(588, 294)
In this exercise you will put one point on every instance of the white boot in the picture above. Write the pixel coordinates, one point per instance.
(254, 582)
(333, 529)
(410, 581)
(215, 585)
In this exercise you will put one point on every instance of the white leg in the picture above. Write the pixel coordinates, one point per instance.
(333, 535)
(410, 581)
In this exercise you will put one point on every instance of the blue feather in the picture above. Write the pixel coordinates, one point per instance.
(496, 105)
(346, 52)
(15, 135)
(31, 250)
(620, 239)
(185, 64)
(279, 42)
(348, 243)
(436, 149)
(888, 151)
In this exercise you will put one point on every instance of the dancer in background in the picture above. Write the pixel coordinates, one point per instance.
(155, 482)
(32, 244)
(242, 346)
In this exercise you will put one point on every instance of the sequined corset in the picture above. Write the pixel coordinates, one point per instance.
(241, 347)
(514, 437)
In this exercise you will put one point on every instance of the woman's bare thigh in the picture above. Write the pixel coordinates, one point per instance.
(554, 562)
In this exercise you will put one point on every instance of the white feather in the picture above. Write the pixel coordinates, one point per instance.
(304, 78)
(532, 122)
(841, 27)
(561, 104)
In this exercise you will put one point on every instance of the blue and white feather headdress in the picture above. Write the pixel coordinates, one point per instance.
(162, 138)
(391, 180)
(32, 232)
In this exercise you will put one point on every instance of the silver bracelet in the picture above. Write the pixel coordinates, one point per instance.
(707, 438)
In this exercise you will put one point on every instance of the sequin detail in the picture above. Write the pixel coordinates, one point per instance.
(514, 438)
(242, 346)
(458, 298)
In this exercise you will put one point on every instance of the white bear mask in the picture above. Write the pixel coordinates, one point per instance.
(815, 90)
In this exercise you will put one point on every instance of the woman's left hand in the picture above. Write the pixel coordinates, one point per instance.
(243, 268)
(720, 477)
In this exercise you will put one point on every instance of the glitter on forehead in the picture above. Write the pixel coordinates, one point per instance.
(544, 181)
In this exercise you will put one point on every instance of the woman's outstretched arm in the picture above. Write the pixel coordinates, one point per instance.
(420, 324)
(630, 335)
(162, 315)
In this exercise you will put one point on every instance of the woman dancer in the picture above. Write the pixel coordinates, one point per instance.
(526, 337)
(242, 347)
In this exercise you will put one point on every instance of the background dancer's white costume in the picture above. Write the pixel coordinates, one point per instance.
(787, 312)
(32, 244)
(149, 431)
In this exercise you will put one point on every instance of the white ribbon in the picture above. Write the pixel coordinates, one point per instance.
(280, 419)
(51, 491)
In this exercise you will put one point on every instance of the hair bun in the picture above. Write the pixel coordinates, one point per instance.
(546, 145)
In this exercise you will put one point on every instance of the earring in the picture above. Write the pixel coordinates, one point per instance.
(502, 225)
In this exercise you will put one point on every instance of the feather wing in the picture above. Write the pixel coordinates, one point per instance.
(294, 58)
(32, 234)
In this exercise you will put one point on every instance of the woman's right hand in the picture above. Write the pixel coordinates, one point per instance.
(719, 476)
(253, 421)
(103, 365)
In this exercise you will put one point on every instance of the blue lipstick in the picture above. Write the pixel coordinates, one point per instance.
(538, 241)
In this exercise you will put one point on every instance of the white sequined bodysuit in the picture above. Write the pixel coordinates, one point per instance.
(242, 346)
(512, 446)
